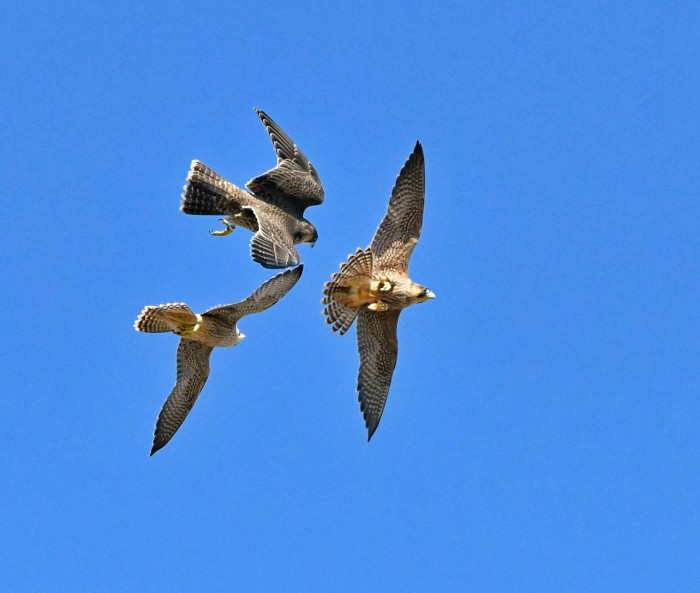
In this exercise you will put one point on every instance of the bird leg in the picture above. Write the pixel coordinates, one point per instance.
(227, 231)
(378, 306)
(382, 285)
(188, 331)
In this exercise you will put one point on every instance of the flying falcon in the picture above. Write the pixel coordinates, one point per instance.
(199, 335)
(374, 287)
(274, 210)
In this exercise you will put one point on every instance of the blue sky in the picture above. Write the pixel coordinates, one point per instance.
(542, 429)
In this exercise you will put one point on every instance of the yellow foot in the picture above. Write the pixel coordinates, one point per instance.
(378, 306)
(227, 231)
(188, 331)
(381, 286)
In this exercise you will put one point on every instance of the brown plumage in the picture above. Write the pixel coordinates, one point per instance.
(374, 287)
(274, 207)
(199, 335)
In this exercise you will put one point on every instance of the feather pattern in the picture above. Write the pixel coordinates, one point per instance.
(273, 207)
(263, 298)
(378, 346)
(338, 314)
(400, 229)
(200, 334)
(374, 286)
(164, 318)
(192, 374)
(293, 184)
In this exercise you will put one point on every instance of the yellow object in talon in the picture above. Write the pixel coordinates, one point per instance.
(385, 287)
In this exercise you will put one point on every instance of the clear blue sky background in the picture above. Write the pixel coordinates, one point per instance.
(543, 428)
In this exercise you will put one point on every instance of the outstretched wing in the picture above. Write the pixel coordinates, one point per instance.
(378, 346)
(398, 233)
(192, 374)
(263, 298)
(293, 184)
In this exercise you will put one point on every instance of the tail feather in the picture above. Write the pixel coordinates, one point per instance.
(165, 318)
(359, 264)
(207, 192)
(339, 315)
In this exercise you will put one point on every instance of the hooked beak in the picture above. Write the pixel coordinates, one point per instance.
(430, 294)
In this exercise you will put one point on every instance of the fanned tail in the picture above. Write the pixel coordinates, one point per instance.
(207, 192)
(165, 318)
(338, 314)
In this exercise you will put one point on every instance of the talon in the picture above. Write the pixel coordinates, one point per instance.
(378, 306)
(227, 231)
(381, 285)
(188, 331)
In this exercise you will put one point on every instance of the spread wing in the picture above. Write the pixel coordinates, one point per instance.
(378, 346)
(398, 233)
(272, 246)
(293, 184)
(263, 298)
(192, 374)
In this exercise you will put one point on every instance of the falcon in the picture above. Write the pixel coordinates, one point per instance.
(199, 335)
(374, 287)
(273, 208)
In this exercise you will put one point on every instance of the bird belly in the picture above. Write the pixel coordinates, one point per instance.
(230, 340)
(213, 333)
(359, 290)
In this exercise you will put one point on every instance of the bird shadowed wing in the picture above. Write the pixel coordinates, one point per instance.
(272, 246)
(263, 298)
(378, 346)
(399, 231)
(192, 374)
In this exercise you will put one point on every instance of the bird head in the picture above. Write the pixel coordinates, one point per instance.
(425, 294)
(306, 233)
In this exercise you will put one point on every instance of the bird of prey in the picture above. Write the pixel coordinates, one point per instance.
(199, 335)
(374, 287)
(274, 207)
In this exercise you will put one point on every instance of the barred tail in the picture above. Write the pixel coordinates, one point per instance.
(341, 316)
(165, 318)
(208, 193)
